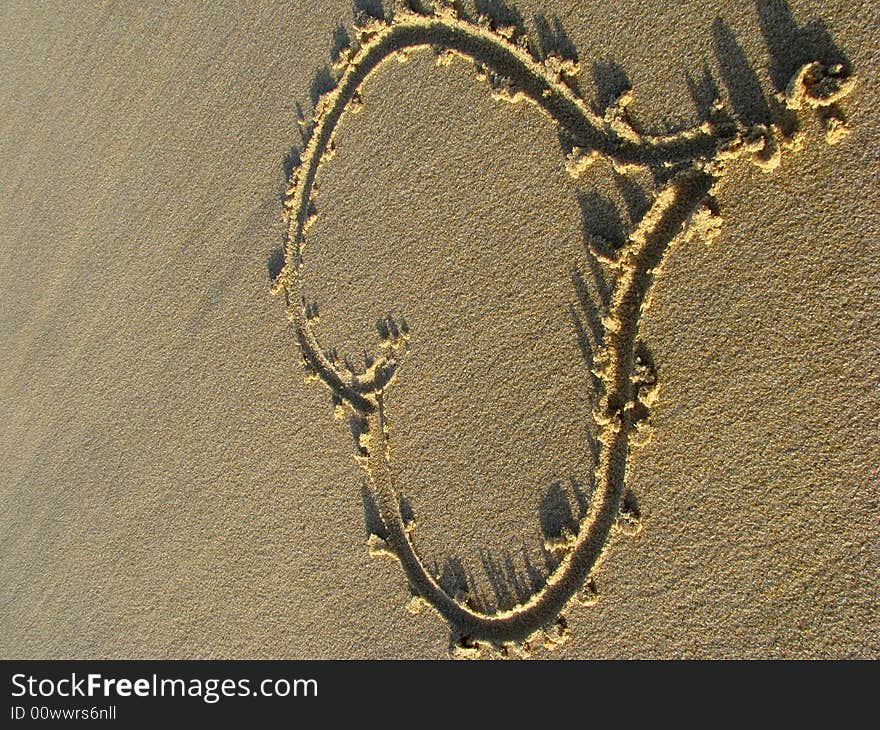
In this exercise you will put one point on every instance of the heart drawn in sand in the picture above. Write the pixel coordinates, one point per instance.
(689, 166)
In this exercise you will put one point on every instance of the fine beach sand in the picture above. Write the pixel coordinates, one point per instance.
(171, 487)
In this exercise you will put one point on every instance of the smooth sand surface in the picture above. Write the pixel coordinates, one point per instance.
(171, 487)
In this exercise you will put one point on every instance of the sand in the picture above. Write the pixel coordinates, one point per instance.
(173, 487)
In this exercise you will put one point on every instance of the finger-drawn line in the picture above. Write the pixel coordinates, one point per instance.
(690, 163)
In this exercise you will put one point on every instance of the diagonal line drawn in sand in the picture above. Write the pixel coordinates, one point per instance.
(690, 166)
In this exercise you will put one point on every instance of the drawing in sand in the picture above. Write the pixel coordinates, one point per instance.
(688, 168)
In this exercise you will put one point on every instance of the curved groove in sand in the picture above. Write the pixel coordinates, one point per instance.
(679, 209)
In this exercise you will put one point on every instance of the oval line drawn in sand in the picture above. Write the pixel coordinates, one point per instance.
(690, 165)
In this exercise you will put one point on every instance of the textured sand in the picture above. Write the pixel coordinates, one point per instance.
(172, 488)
